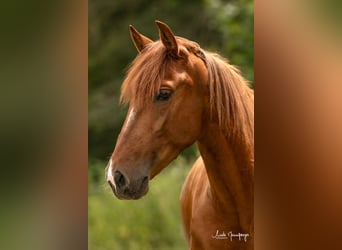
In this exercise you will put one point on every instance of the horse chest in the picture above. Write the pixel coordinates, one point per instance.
(209, 228)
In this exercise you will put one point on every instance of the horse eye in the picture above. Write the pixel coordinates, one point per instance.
(164, 95)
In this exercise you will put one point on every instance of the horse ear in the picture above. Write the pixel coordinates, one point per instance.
(140, 41)
(167, 38)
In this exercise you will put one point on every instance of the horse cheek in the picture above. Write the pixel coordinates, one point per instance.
(186, 129)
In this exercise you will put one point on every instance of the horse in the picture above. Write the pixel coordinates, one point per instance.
(179, 94)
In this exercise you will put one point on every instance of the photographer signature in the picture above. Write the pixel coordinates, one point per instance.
(230, 235)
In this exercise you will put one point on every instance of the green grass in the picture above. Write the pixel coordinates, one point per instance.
(152, 222)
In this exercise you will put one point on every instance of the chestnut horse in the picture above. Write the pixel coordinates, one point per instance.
(179, 94)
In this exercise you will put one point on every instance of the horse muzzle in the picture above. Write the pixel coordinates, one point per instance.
(127, 188)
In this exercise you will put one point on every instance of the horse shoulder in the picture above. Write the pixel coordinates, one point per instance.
(199, 217)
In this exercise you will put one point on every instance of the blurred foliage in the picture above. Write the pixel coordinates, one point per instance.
(225, 27)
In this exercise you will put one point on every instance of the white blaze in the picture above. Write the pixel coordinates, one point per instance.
(131, 116)
(110, 173)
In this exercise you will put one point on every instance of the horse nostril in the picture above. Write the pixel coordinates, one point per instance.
(119, 179)
(145, 179)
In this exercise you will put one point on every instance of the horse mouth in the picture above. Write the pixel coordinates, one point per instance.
(132, 192)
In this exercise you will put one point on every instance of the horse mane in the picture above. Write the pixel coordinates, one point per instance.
(231, 99)
(142, 85)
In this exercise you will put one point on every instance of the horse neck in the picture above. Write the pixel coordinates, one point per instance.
(229, 173)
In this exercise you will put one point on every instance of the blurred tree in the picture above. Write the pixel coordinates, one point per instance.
(222, 26)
